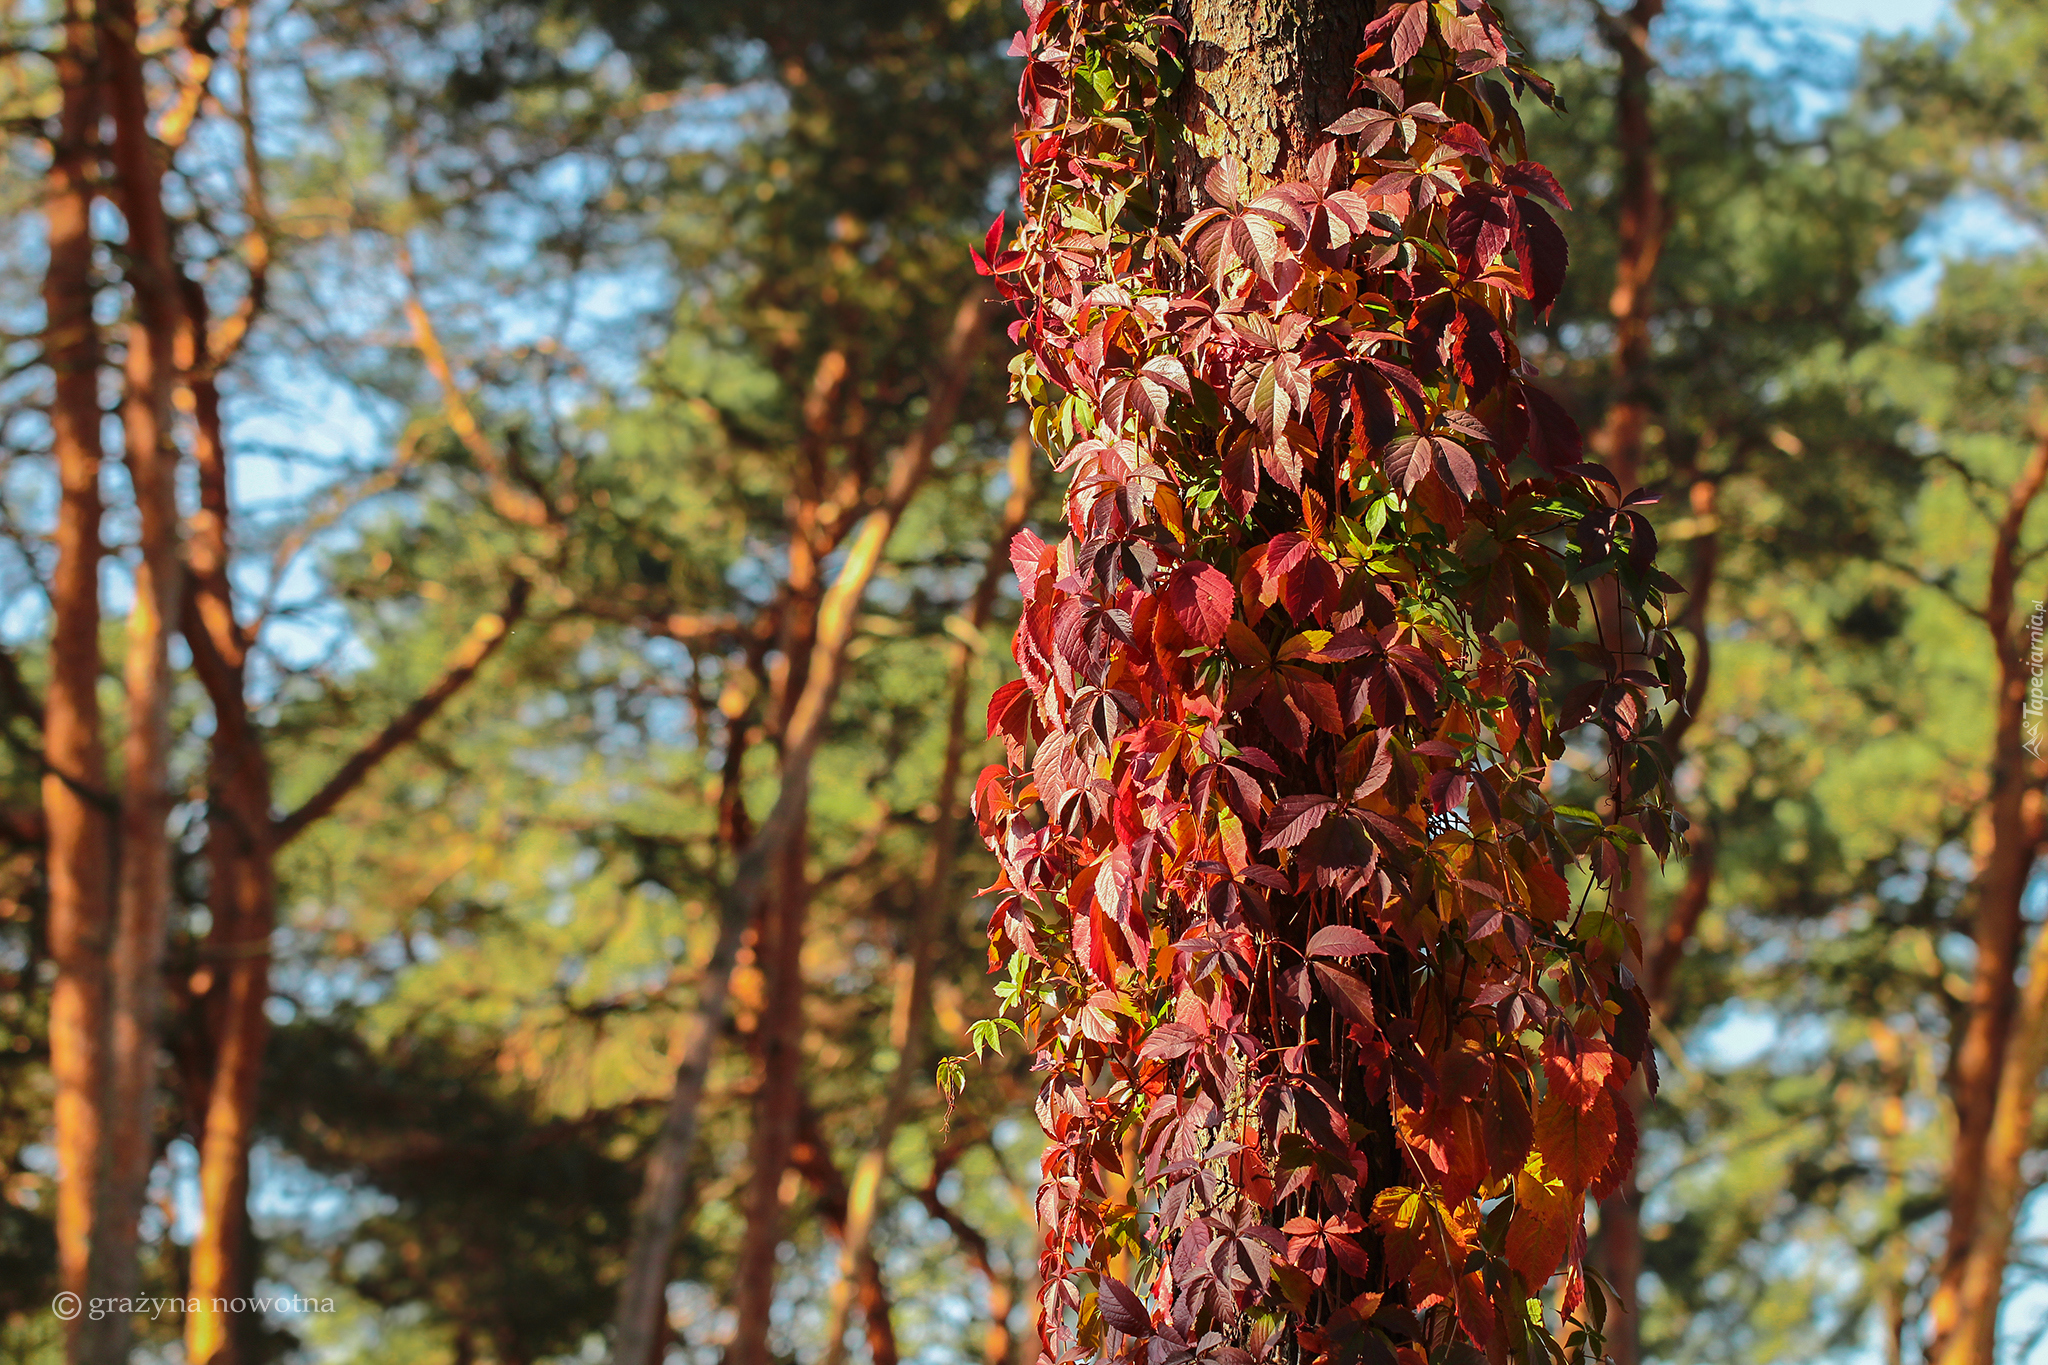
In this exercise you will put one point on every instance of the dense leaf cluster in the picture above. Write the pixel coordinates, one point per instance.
(1330, 1001)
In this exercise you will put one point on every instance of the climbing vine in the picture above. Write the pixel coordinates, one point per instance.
(1330, 1000)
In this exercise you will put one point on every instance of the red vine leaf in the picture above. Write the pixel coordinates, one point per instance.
(1575, 1142)
(1202, 601)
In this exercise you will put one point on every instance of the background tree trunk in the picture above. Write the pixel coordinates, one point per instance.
(914, 971)
(1964, 1309)
(240, 850)
(779, 841)
(1618, 1250)
(144, 885)
(1973, 1339)
(76, 804)
(780, 1096)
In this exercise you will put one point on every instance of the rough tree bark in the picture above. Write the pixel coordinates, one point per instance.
(1991, 1055)
(914, 971)
(76, 804)
(1266, 77)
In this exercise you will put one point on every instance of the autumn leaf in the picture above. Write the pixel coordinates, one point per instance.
(1575, 1142)
(1294, 817)
(1202, 600)
(1341, 940)
(1579, 1068)
(1623, 1159)
(1351, 995)
(1123, 1309)
(1546, 1214)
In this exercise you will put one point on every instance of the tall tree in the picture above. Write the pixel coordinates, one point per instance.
(77, 800)
(117, 895)
(1641, 226)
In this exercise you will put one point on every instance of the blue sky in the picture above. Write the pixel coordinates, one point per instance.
(1857, 15)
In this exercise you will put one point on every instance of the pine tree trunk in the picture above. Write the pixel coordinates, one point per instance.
(777, 842)
(778, 1100)
(74, 787)
(1642, 226)
(144, 883)
(1266, 76)
(1980, 1287)
(914, 971)
(240, 848)
(1983, 1073)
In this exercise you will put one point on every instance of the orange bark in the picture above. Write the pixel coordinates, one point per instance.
(1642, 226)
(234, 978)
(76, 806)
(778, 841)
(781, 1035)
(144, 866)
(1981, 1077)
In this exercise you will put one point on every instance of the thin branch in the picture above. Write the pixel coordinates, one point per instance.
(811, 1157)
(1002, 1289)
(1935, 585)
(518, 505)
(689, 628)
(234, 329)
(485, 637)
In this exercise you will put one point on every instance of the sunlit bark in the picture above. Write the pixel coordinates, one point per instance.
(1996, 1066)
(143, 887)
(76, 804)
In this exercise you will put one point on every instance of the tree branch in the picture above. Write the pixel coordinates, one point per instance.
(1002, 1290)
(519, 505)
(14, 693)
(811, 1157)
(485, 637)
(659, 1211)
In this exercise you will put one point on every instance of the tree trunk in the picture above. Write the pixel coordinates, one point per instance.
(1982, 1070)
(778, 839)
(1619, 1249)
(640, 1325)
(779, 929)
(1266, 77)
(1974, 1337)
(240, 849)
(777, 1101)
(914, 972)
(144, 879)
(1642, 225)
(76, 804)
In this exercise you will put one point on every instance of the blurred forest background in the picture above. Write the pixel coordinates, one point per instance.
(535, 369)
